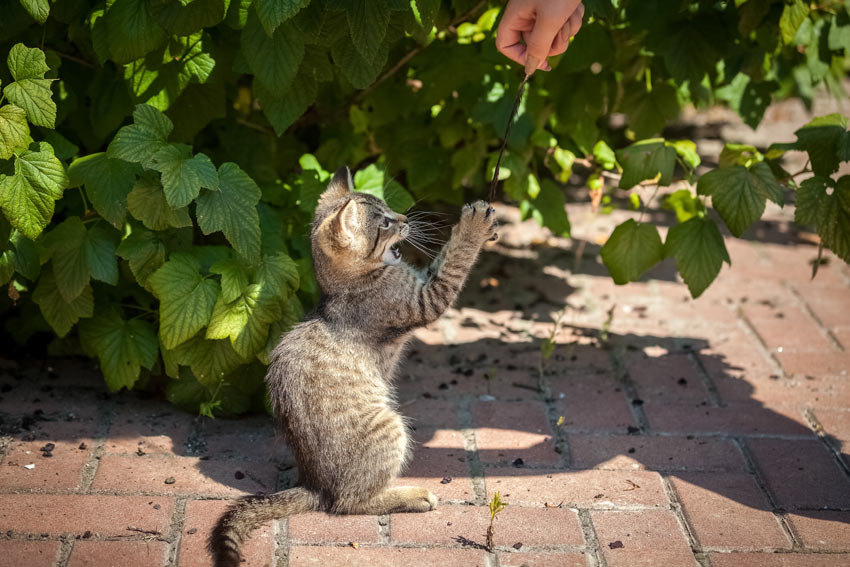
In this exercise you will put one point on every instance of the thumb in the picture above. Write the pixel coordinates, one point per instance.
(539, 42)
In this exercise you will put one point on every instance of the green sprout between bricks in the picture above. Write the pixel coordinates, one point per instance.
(495, 506)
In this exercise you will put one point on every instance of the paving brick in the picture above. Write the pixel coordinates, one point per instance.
(801, 473)
(647, 538)
(252, 438)
(778, 560)
(596, 403)
(28, 553)
(76, 514)
(734, 355)
(728, 510)
(149, 427)
(507, 431)
(458, 525)
(598, 489)
(836, 424)
(637, 452)
(123, 553)
(62, 470)
(201, 516)
(785, 326)
(789, 391)
(191, 475)
(822, 530)
(301, 556)
(318, 527)
(831, 306)
(666, 378)
(542, 559)
(442, 470)
(432, 413)
(733, 419)
(820, 363)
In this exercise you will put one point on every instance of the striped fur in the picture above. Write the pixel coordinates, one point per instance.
(330, 378)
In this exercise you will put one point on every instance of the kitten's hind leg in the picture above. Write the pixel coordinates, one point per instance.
(399, 499)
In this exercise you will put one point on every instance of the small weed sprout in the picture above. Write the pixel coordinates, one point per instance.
(496, 505)
(547, 347)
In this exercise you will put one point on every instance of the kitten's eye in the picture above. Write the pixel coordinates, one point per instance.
(386, 222)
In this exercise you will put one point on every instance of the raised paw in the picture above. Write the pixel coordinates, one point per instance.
(478, 221)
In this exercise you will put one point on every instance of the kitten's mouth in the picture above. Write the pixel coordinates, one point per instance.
(392, 255)
(394, 249)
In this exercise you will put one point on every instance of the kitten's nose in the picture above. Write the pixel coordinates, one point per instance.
(401, 218)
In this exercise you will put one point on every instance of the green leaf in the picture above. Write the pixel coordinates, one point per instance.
(186, 299)
(272, 13)
(375, 181)
(834, 219)
(282, 111)
(739, 194)
(209, 360)
(293, 311)
(38, 9)
(31, 91)
(131, 30)
(107, 182)
(367, 24)
(604, 155)
(684, 204)
(62, 315)
(100, 244)
(273, 60)
(144, 251)
(138, 142)
(739, 154)
(14, 130)
(699, 250)
(233, 210)
(23, 256)
(28, 196)
(234, 278)
(277, 276)
(631, 250)
(645, 160)
(185, 18)
(245, 320)
(67, 247)
(823, 138)
(359, 71)
(182, 174)
(687, 150)
(123, 347)
(648, 112)
(549, 209)
(792, 16)
(810, 196)
(147, 202)
(755, 100)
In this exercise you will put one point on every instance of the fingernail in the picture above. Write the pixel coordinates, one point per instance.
(531, 64)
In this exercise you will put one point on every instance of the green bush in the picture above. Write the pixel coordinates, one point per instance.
(160, 159)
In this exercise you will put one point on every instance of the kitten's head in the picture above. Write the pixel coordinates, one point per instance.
(354, 232)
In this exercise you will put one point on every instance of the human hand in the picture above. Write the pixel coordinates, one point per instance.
(532, 30)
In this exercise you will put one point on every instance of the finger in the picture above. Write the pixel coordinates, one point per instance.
(540, 39)
(513, 23)
(562, 40)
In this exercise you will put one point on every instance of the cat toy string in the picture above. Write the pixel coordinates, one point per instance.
(505, 140)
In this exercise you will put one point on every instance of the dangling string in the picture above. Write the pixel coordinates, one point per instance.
(505, 140)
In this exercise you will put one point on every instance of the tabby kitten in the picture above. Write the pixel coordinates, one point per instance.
(330, 378)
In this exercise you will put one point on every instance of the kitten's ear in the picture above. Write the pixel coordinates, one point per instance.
(340, 186)
(346, 220)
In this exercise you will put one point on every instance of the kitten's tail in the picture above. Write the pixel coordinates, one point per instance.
(250, 512)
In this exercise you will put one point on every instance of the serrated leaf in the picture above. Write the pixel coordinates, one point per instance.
(139, 141)
(699, 250)
(548, 208)
(631, 250)
(67, 247)
(739, 194)
(683, 203)
(755, 100)
(147, 202)
(38, 9)
(367, 24)
(292, 312)
(245, 320)
(233, 210)
(376, 182)
(645, 160)
(183, 175)
(144, 251)
(359, 71)
(273, 60)
(107, 182)
(28, 196)
(100, 245)
(131, 30)
(209, 360)
(123, 347)
(282, 111)
(272, 13)
(14, 130)
(186, 299)
(810, 195)
(186, 18)
(823, 138)
(235, 277)
(277, 276)
(62, 315)
(738, 154)
(648, 112)
(25, 256)
(833, 223)
(687, 150)
(793, 15)
(30, 90)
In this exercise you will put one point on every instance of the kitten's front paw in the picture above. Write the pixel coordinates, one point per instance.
(478, 221)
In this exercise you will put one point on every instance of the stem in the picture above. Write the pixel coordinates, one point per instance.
(646, 204)
(85, 203)
(257, 127)
(138, 307)
(802, 171)
(82, 62)
(648, 78)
